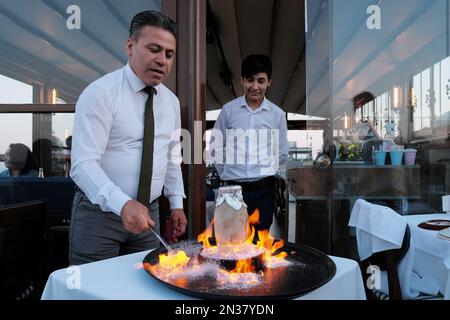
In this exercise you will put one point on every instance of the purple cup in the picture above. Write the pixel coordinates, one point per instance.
(410, 156)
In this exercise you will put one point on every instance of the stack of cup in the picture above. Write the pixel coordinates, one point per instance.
(410, 156)
(396, 157)
(380, 157)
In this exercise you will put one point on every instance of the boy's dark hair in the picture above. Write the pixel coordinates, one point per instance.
(256, 63)
(153, 19)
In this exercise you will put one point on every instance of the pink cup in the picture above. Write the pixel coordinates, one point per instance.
(410, 156)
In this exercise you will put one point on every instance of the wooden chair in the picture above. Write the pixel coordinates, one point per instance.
(22, 249)
(387, 261)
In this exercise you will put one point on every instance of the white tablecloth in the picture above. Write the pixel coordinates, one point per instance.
(431, 255)
(121, 279)
(378, 228)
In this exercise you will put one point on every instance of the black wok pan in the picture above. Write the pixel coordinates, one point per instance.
(309, 269)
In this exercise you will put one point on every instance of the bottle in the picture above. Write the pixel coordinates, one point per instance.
(41, 173)
(230, 216)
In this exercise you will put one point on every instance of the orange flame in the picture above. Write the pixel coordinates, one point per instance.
(173, 260)
(251, 235)
(244, 266)
(169, 264)
(204, 237)
(266, 241)
(173, 264)
(254, 218)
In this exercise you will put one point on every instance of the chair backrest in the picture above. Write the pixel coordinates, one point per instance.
(21, 247)
(2, 240)
(57, 191)
(388, 261)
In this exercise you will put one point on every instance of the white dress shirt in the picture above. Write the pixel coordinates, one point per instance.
(242, 155)
(107, 141)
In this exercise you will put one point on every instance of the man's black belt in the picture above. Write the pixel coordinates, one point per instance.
(250, 185)
(77, 189)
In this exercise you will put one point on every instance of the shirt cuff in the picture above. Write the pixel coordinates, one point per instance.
(176, 202)
(117, 200)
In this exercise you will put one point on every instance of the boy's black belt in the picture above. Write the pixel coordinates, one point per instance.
(253, 184)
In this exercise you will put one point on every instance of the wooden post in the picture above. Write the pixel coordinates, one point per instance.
(189, 86)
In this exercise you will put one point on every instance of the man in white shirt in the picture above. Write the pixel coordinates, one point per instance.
(249, 140)
(107, 148)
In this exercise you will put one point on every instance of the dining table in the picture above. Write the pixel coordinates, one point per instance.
(430, 255)
(124, 278)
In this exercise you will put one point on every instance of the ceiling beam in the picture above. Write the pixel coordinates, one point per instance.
(226, 21)
(371, 56)
(116, 15)
(211, 30)
(50, 40)
(102, 44)
(25, 67)
(288, 44)
(254, 20)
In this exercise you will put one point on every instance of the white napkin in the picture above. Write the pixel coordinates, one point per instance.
(378, 228)
(427, 284)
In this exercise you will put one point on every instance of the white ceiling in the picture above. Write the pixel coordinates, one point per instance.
(242, 27)
(36, 46)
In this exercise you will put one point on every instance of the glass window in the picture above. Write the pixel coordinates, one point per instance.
(14, 128)
(48, 56)
(62, 46)
(402, 62)
(13, 91)
(445, 91)
(212, 115)
(62, 128)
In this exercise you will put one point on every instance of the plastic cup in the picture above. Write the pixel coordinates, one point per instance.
(380, 157)
(396, 157)
(410, 157)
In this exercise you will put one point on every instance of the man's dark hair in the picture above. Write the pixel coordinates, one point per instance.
(151, 18)
(256, 63)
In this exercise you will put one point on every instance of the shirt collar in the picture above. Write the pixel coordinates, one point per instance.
(135, 82)
(264, 104)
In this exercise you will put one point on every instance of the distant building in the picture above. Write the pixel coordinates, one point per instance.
(300, 154)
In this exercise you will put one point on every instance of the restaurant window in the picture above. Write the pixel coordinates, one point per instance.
(14, 128)
(431, 97)
(378, 112)
(402, 70)
(14, 91)
(47, 58)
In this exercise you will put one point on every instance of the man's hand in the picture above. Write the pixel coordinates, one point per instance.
(176, 225)
(135, 217)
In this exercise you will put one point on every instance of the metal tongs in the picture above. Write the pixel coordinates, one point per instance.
(165, 244)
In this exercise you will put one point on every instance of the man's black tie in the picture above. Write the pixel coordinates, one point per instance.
(145, 178)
